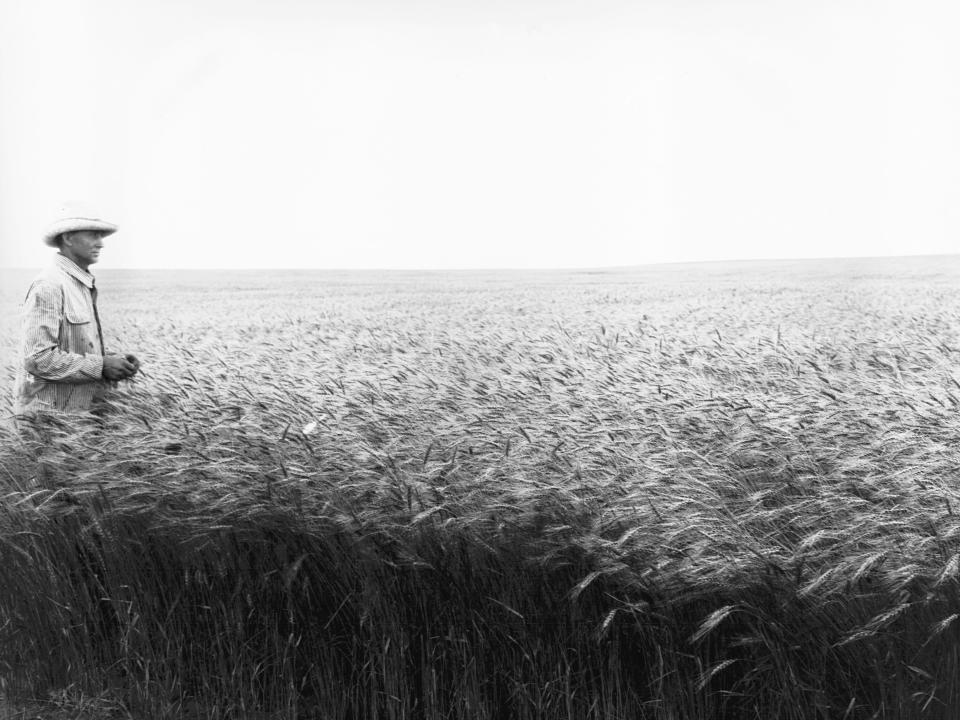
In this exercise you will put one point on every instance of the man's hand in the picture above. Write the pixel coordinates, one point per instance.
(134, 361)
(118, 367)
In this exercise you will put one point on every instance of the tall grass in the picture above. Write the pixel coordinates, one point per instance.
(597, 500)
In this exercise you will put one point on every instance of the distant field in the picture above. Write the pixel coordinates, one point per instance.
(722, 490)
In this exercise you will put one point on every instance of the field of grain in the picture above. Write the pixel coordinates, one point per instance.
(703, 491)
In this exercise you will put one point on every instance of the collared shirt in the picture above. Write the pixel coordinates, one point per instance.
(61, 351)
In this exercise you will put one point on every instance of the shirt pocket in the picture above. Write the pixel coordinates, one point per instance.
(78, 331)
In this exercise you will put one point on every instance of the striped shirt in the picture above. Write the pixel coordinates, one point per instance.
(61, 351)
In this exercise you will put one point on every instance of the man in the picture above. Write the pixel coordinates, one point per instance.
(64, 366)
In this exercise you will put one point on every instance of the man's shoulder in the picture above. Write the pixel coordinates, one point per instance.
(49, 280)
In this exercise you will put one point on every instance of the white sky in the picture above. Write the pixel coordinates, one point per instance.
(495, 133)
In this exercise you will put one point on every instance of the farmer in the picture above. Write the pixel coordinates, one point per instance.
(64, 367)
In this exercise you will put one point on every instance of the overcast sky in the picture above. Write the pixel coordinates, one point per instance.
(501, 133)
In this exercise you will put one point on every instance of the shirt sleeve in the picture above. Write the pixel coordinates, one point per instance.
(42, 356)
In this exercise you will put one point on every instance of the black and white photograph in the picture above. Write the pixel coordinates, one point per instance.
(479, 360)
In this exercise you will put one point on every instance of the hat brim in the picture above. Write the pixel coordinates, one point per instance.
(73, 224)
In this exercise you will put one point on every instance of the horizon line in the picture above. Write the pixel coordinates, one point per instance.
(578, 268)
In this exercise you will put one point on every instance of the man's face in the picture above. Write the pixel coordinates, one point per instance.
(83, 246)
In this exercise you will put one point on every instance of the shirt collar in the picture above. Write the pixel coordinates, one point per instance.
(72, 269)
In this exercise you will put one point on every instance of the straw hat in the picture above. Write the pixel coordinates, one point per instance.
(76, 217)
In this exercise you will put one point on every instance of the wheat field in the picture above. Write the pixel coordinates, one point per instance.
(675, 492)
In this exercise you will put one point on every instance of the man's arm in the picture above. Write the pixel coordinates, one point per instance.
(42, 356)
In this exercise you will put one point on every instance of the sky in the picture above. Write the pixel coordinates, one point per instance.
(469, 134)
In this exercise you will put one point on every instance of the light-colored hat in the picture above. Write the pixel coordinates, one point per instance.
(72, 217)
